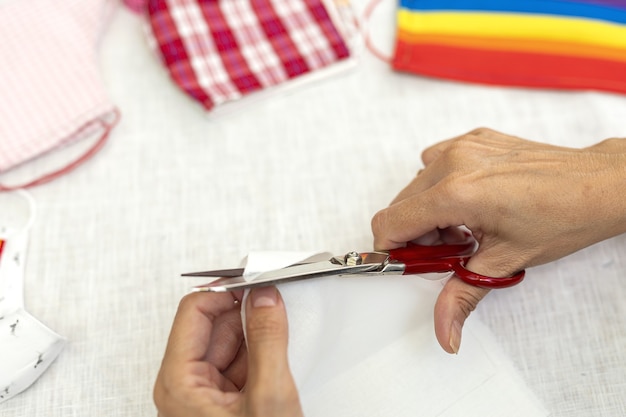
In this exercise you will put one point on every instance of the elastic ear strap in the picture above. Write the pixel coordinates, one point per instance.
(107, 128)
(367, 14)
(32, 208)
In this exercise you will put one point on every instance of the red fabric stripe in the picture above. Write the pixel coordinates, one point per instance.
(293, 63)
(174, 53)
(230, 52)
(320, 14)
(510, 68)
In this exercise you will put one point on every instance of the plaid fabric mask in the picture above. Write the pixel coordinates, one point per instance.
(574, 44)
(219, 51)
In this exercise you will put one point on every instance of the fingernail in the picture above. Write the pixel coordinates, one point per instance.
(455, 336)
(264, 297)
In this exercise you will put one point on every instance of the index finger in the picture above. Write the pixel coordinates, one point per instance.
(193, 324)
(415, 216)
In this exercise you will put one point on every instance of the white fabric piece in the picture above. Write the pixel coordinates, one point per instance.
(12, 272)
(258, 262)
(17, 215)
(378, 330)
(480, 381)
(27, 347)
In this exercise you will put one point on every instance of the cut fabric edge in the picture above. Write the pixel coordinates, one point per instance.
(307, 80)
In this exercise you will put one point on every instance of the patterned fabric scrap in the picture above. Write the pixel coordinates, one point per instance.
(570, 44)
(219, 51)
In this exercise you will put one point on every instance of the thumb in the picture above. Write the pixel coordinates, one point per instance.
(456, 301)
(458, 298)
(270, 383)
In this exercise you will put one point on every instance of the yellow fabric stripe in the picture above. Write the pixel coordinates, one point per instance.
(503, 25)
(516, 45)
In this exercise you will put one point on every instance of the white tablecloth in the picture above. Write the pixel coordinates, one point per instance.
(175, 192)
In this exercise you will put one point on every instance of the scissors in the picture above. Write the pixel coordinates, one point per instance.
(409, 260)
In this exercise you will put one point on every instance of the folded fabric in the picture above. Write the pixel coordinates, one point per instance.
(219, 51)
(365, 346)
(52, 93)
(27, 349)
(570, 44)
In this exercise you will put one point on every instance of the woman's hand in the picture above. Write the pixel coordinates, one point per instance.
(207, 370)
(526, 203)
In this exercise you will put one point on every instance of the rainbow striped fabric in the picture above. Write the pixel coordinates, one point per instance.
(572, 44)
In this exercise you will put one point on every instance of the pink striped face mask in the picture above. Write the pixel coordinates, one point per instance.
(52, 93)
(220, 51)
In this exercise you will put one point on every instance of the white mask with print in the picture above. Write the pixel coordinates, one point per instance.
(27, 347)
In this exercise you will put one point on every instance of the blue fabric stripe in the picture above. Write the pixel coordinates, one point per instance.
(583, 9)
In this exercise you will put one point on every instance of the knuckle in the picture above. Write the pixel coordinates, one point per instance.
(612, 143)
(481, 131)
(460, 151)
(467, 299)
(430, 154)
(378, 223)
(458, 189)
(189, 300)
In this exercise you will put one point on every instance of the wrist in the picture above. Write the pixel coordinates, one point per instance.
(618, 191)
(611, 183)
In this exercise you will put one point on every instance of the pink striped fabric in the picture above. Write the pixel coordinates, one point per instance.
(51, 89)
(218, 51)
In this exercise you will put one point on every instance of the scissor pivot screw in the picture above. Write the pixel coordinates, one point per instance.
(353, 258)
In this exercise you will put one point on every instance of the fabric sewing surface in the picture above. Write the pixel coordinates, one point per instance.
(174, 192)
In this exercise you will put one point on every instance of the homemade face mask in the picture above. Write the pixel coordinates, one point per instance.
(220, 51)
(570, 44)
(27, 347)
(52, 93)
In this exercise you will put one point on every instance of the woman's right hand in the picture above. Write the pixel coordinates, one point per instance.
(526, 203)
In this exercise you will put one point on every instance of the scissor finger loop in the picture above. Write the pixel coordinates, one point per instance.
(484, 281)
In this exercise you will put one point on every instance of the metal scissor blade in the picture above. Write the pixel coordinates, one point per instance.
(290, 273)
(234, 272)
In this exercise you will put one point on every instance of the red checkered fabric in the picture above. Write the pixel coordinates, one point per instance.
(221, 50)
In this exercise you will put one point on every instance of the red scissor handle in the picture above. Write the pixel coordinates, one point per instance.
(419, 259)
(484, 281)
